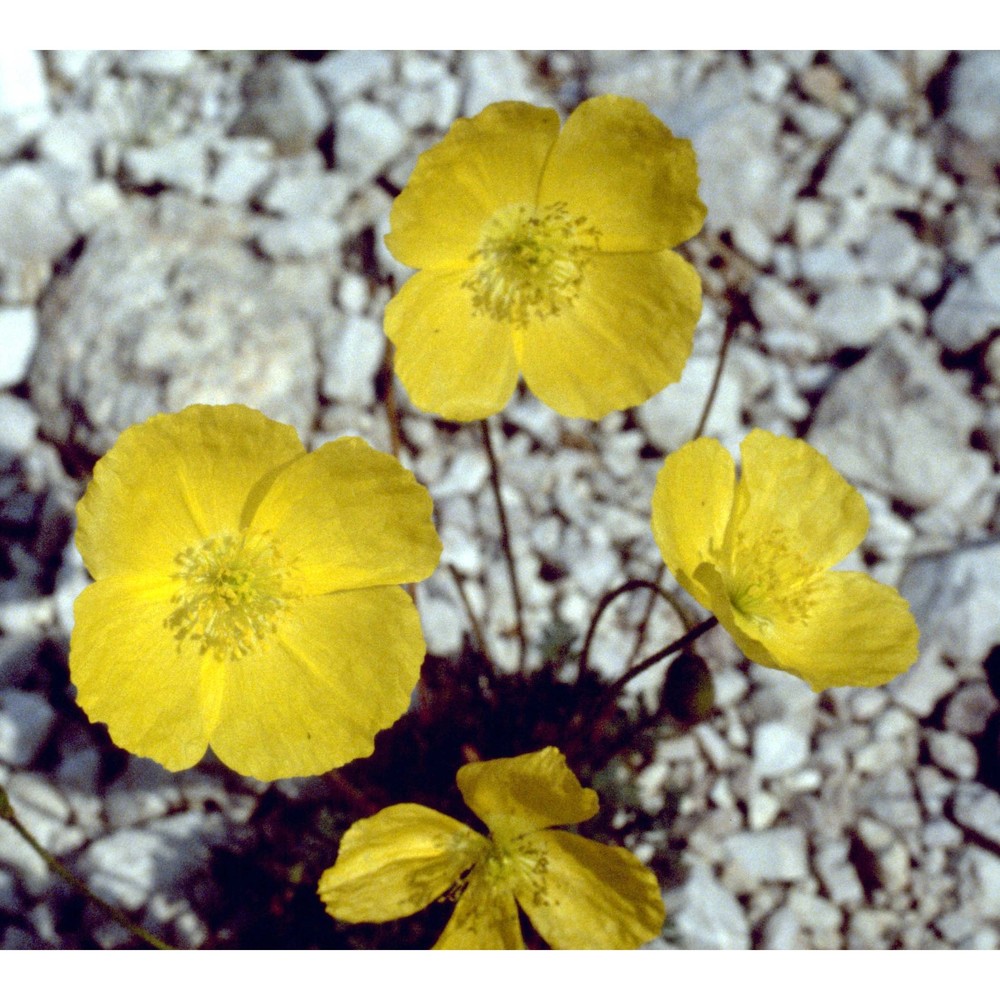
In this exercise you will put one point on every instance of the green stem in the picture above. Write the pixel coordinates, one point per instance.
(505, 539)
(7, 813)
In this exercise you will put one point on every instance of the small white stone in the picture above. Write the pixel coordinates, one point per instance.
(763, 809)
(854, 315)
(496, 75)
(708, 915)
(23, 90)
(348, 74)
(953, 753)
(367, 138)
(244, 165)
(162, 62)
(776, 855)
(778, 749)
(18, 337)
(351, 360)
(352, 293)
(26, 720)
(443, 625)
(179, 163)
(18, 424)
(857, 155)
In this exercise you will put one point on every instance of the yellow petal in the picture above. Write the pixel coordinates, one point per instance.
(619, 166)
(485, 918)
(459, 365)
(131, 674)
(176, 479)
(787, 486)
(482, 164)
(626, 336)
(397, 862)
(691, 506)
(859, 633)
(347, 516)
(745, 631)
(513, 795)
(591, 895)
(312, 696)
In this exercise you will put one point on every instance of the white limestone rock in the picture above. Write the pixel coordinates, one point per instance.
(708, 915)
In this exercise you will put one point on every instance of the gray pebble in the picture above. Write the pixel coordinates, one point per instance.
(26, 720)
(708, 915)
(775, 855)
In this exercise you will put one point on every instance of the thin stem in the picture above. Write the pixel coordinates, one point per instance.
(7, 813)
(651, 661)
(391, 406)
(477, 631)
(611, 595)
(505, 539)
(739, 311)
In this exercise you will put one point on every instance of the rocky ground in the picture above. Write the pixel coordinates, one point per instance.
(181, 226)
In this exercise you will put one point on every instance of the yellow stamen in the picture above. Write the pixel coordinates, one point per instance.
(232, 591)
(530, 262)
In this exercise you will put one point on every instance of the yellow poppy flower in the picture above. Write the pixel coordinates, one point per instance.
(546, 253)
(758, 553)
(246, 593)
(577, 893)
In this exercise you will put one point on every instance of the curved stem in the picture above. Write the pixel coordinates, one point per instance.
(505, 539)
(7, 813)
(611, 595)
(739, 310)
(675, 647)
(477, 631)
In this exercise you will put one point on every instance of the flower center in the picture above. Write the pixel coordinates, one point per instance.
(770, 582)
(232, 590)
(519, 863)
(530, 262)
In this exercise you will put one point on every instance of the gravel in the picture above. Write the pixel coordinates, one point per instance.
(185, 226)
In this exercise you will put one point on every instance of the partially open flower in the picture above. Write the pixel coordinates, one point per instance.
(546, 253)
(246, 593)
(758, 554)
(576, 893)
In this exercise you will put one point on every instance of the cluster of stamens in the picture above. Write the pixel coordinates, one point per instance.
(771, 581)
(231, 592)
(530, 262)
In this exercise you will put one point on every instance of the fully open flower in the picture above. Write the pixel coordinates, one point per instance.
(546, 253)
(246, 593)
(577, 893)
(758, 554)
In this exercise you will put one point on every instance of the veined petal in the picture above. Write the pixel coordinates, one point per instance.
(311, 697)
(592, 895)
(691, 505)
(451, 361)
(481, 165)
(626, 336)
(485, 918)
(133, 675)
(397, 862)
(513, 795)
(619, 166)
(348, 516)
(787, 487)
(859, 633)
(176, 479)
